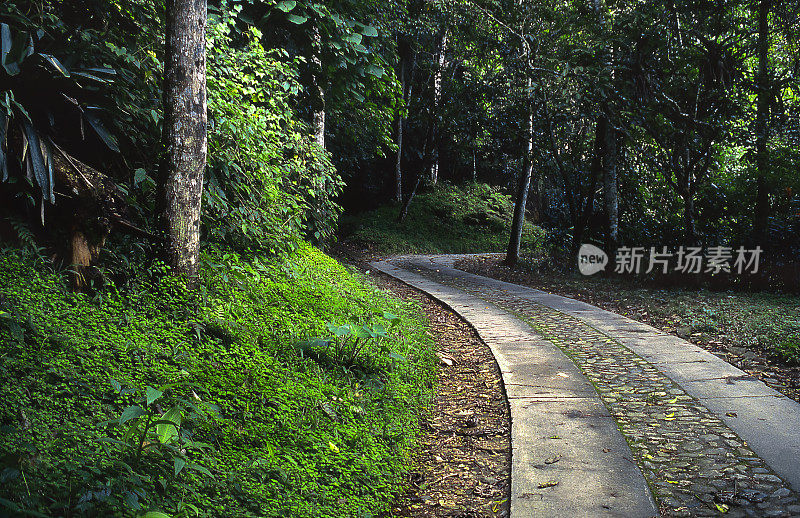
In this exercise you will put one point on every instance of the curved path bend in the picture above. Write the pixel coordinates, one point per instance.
(612, 417)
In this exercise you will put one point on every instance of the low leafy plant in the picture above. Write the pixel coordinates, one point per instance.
(788, 349)
(153, 435)
(350, 340)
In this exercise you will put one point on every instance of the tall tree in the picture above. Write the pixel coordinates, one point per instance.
(404, 55)
(524, 185)
(185, 135)
(762, 121)
(317, 88)
(607, 136)
(441, 54)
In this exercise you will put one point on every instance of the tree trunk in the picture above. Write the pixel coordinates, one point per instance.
(474, 165)
(761, 214)
(185, 137)
(317, 89)
(398, 167)
(515, 240)
(688, 220)
(441, 51)
(610, 199)
(585, 205)
(401, 217)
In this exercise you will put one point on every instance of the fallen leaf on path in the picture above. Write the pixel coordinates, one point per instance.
(549, 483)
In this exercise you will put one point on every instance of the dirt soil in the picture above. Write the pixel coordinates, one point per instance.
(755, 361)
(462, 466)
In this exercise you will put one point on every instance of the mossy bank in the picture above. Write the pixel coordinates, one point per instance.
(467, 218)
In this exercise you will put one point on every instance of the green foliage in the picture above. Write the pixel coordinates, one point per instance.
(295, 434)
(267, 184)
(788, 348)
(468, 218)
(41, 97)
(350, 340)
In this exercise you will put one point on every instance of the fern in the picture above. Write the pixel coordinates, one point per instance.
(24, 234)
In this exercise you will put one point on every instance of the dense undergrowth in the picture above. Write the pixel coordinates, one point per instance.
(464, 218)
(294, 427)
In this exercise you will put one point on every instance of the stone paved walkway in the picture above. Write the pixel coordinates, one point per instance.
(694, 463)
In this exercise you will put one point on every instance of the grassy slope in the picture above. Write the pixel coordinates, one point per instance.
(294, 436)
(470, 218)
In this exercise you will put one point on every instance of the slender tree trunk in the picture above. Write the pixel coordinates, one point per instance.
(536, 198)
(688, 219)
(441, 51)
(585, 206)
(401, 217)
(398, 167)
(515, 240)
(610, 199)
(761, 215)
(318, 91)
(607, 146)
(184, 137)
(474, 165)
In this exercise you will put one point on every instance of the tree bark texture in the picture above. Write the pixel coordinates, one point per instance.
(398, 167)
(515, 240)
(610, 198)
(441, 52)
(185, 132)
(317, 89)
(761, 214)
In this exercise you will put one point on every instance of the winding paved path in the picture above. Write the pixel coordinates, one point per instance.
(611, 417)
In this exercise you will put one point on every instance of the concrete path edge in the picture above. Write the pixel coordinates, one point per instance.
(561, 432)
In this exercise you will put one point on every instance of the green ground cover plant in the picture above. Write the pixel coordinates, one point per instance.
(452, 218)
(220, 400)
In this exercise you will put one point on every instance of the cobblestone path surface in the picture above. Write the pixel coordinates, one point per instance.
(694, 463)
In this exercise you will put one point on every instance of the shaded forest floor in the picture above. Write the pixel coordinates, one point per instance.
(757, 332)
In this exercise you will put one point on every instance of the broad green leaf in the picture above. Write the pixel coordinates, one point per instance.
(286, 5)
(152, 394)
(92, 77)
(298, 20)
(131, 412)
(370, 31)
(116, 385)
(37, 159)
(353, 37)
(375, 70)
(155, 514)
(57, 64)
(5, 42)
(166, 432)
(199, 468)
(139, 176)
(178, 464)
(102, 132)
(21, 48)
